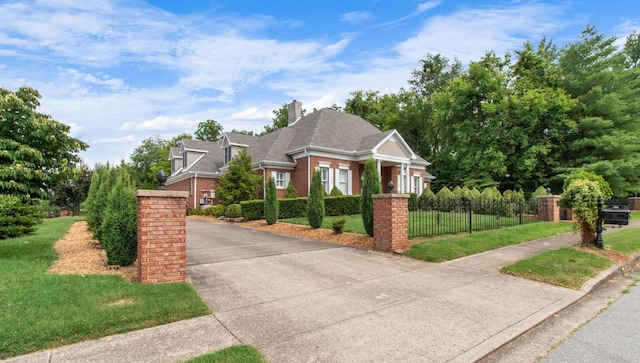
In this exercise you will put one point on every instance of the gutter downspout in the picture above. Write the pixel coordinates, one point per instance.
(264, 180)
(308, 170)
(195, 190)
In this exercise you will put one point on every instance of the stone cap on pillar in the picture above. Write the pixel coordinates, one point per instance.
(392, 195)
(161, 193)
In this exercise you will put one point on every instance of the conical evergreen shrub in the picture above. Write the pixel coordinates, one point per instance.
(370, 186)
(315, 202)
(271, 205)
(119, 231)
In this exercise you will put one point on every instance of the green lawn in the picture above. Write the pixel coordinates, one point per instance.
(42, 311)
(566, 267)
(353, 222)
(450, 248)
(570, 267)
(233, 354)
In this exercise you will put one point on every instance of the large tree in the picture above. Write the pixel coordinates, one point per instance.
(239, 183)
(280, 119)
(36, 151)
(209, 130)
(150, 157)
(70, 193)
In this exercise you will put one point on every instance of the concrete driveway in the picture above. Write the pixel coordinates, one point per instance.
(299, 300)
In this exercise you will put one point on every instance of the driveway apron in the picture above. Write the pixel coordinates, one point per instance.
(300, 300)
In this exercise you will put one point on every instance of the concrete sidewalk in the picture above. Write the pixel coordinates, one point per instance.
(302, 300)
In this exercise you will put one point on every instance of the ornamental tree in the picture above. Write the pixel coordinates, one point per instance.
(315, 202)
(271, 206)
(370, 185)
(582, 196)
(239, 183)
(36, 151)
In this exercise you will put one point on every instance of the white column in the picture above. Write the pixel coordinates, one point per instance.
(379, 163)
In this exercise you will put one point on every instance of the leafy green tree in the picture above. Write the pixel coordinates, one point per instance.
(605, 189)
(280, 119)
(36, 150)
(271, 206)
(607, 140)
(119, 229)
(370, 185)
(239, 183)
(315, 202)
(70, 193)
(150, 157)
(209, 130)
(291, 191)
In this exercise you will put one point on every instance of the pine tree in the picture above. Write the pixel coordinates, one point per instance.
(119, 230)
(370, 185)
(239, 183)
(315, 202)
(271, 205)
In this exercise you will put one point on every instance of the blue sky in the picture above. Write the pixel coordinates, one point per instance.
(119, 72)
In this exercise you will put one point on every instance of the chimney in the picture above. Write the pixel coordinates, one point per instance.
(295, 111)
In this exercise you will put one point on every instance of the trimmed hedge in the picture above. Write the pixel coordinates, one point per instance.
(296, 207)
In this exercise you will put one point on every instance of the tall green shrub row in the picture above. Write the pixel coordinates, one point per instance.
(111, 209)
(315, 202)
(370, 186)
(17, 218)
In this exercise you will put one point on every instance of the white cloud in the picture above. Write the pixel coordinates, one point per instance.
(252, 113)
(422, 7)
(115, 140)
(357, 17)
(158, 124)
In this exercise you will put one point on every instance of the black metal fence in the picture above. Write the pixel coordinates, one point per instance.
(431, 218)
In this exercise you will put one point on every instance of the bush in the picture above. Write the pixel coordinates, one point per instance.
(293, 208)
(582, 195)
(119, 230)
(335, 192)
(607, 193)
(196, 211)
(370, 186)
(315, 202)
(218, 210)
(233, 211)
(49, 209)
(538, 192)
(271, 209)
(16, 218)
(338, 224)
(345, 205)
(291, 191)
(413, 202)
(427, 199)
(252, 209)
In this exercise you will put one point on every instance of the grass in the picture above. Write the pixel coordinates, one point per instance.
(566, 267)
(353, 223)
(635, 214)
(450, 248)
(625, 242)
(233, 354)
(43, 311)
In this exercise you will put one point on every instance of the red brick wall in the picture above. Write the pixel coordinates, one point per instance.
(162, 243)
(390, 222)
(634, 203)
(204, 185)
(548, 209)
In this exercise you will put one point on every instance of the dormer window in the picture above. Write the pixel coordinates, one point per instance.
(227, 155)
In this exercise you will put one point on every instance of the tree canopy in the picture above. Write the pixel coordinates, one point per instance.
(36, 150)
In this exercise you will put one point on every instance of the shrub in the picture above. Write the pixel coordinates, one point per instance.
(233, 211)
(49, 209)
(291, 191)
(582, 195)
(17, 218)
(196, 211)
(335, 192)
(119, 230)
(338, 224)
(271, 209)
(315, 202)
(251, 209)
(413, 202)
(427, 199)
(607, 193)
(370, 186)
(538, 192)
(340, 206)
(239, 183)
(445, 199)
(293, 208)
(218, 210)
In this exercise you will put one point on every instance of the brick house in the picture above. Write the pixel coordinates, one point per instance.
(336, 143)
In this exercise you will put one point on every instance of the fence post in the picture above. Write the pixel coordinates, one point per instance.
(470, 216)
(548, 209)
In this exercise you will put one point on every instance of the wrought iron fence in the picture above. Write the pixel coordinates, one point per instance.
(431, 218)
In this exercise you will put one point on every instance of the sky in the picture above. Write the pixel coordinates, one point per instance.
(119, 72)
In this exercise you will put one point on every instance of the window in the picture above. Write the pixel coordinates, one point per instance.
(416, 184)
(324, 172)
(227, 155)
(343, 178)
(280, 181)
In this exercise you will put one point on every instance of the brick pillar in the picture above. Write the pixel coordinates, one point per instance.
(548, 209)
(634, 203)
(162, 238)
(391, 222)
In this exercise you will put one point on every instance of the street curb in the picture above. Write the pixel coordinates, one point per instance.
(604, 276)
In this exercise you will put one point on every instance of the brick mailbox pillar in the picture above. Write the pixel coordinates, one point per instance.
(162, 237)
(391, 222)
(548, 209)
(634, 203)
